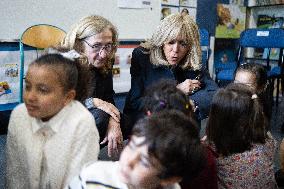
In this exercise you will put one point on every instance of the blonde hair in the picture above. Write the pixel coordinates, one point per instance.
(87, 27)
(169, 28)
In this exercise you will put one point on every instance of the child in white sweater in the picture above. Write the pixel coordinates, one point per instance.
(51, 135)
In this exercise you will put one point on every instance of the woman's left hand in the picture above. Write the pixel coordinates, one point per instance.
(189, 86)
(114, 138)
(108, 108)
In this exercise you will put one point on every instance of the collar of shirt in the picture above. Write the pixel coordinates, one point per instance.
(54, 123)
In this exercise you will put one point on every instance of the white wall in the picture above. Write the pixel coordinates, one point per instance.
(17, 15)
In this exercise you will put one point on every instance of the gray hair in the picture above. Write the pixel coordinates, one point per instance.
(168, 29)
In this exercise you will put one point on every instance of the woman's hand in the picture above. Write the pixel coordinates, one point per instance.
(107, 107)
(114, 138)
(189, 86)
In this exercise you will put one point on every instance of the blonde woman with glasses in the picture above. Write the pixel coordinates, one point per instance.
(173, 53)
(97, 38)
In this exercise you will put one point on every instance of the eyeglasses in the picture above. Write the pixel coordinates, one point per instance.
(97, 47)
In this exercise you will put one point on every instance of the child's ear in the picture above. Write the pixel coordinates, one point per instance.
(70, 96)
(170, 181)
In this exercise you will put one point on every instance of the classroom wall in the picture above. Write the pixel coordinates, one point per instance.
(17, 15)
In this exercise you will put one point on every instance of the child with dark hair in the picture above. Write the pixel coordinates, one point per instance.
(154, 158)
(255, 76)
(164, 95)
(236, 131)
(51, 135)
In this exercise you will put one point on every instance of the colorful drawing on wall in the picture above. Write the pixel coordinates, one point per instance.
(9, 77)
(121, 68)
(231, 21)
(9, 74)
(167, 10)
(4, 88)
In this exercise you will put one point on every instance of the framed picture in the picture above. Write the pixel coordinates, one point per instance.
(231, 21)
(9, 76)
(10, 72)
(167, 10)
(121, 68)
(170, 2)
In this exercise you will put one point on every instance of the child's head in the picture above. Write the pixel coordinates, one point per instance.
(52, 81)
(164, 95)
(253, 75)
(236, 120)
(164, 148)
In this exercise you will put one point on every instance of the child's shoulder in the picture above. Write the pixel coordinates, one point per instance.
(78, 115)
(77, 109)
(19, 111)
(100, 173)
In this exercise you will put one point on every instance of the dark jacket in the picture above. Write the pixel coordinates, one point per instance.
(103, 85)
(104, 90)
(144, 73)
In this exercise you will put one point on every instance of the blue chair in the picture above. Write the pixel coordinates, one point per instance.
(266, 39)
(225, 66)
(37, 37)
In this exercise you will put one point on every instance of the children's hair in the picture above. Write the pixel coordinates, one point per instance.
(261, 84)
(236, 120)
(71, 73)
(258, 71)
(174, 141)
(164, 95)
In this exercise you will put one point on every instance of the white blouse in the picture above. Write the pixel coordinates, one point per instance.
(49, 154)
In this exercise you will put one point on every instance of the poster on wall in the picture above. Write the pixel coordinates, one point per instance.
(121, 68)
(10, 74)
(231, 21)
(167, 10)
(170, 2)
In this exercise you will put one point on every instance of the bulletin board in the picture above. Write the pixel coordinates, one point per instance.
(10, 73)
